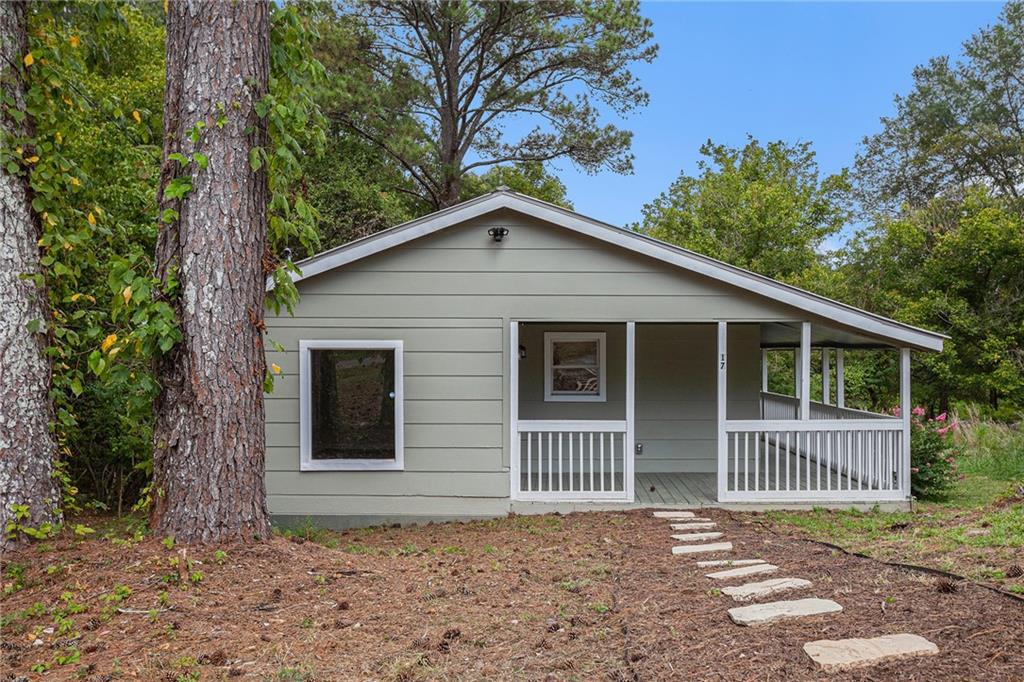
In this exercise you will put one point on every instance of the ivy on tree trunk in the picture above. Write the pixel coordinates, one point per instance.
(209, 434)
(29, 495)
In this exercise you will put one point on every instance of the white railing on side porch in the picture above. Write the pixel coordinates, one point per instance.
(838, 454)
(780, 406)
(572, 460)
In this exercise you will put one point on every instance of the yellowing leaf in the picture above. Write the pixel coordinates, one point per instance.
(91, 218)
(275, 368)
(32, 159)
(75, 182)
(127, 294)
(137, 116)
(75, 297)
(108, 342)
(114, 352)
(29, 59)
(58, 137)
(75, 41)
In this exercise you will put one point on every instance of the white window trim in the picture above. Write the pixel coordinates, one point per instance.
(306, 461)
(602, 367)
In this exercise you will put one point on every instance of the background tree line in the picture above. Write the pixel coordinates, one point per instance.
(377, 113)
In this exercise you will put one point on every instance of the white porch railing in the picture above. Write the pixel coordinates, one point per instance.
(572, 460)
(779, 406)
(839, 454)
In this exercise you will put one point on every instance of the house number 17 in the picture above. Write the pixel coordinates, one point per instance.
(721, 364)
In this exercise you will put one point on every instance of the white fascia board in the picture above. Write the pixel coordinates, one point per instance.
(694, 262)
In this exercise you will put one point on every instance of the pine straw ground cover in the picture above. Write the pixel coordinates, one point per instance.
(577, 597)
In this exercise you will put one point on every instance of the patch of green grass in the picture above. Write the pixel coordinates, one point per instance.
(991, 449)
(358, 548)
(309, 531)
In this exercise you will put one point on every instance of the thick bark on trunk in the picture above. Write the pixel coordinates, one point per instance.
(209, 438)
(28, 449)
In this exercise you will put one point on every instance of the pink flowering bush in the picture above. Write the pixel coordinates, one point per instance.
(932, 455)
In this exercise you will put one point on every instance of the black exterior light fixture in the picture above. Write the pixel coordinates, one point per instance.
(498, 233)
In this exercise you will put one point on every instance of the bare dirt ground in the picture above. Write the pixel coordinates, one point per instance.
(577, 597)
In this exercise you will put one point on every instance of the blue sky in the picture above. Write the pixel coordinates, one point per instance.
(823, 72)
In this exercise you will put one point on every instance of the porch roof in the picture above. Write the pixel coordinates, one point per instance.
(879, 330)
(787, 335)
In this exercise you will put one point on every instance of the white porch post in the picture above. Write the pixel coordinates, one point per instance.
(805, 371)
(796, 373)
(630, 445)
(723, 362)
(840, 379)
(905, 408)
(513, 411)
(764, 370)
(826, 371)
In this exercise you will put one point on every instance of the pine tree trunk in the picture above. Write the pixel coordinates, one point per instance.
(208, 437)
(28, 449)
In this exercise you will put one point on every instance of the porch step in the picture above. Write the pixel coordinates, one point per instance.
(674, 515)
(844, 654)
(760, 614)
(696, 537)
(692, 526)
(706, 547)
(751, 591)
(730, 562)
(743, 572)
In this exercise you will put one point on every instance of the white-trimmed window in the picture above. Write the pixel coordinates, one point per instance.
(574, 367)
(350, 405)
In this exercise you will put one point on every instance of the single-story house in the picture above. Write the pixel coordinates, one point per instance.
(506, 354)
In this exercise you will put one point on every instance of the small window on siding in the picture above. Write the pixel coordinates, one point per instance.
(574, 366)
(351, 405)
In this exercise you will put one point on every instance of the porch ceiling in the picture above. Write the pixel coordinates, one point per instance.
(787, 335)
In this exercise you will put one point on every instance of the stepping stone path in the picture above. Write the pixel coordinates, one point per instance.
(743, 571)
(752, 591)
(830, 655)
(674, 515)
(759, 614)
(692, 537)
(843, 654)
(708, 547)
(730, 562)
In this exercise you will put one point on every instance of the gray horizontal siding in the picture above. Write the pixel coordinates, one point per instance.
(449, 297)
(447, 458)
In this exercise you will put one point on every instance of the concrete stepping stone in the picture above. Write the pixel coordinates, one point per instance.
(743, 571)
(692, 526)
(696, 537)
(759, 614)
(844, 654)
(730, 562)
(752, 591)
(706, 547)
(674, 515)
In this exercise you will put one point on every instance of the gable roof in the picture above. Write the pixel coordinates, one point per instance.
(692, 261)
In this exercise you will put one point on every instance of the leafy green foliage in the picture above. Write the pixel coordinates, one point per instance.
(94, 72)
(762, 207)
(961, 127)
(955, 268)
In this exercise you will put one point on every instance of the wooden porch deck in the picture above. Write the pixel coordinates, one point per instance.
(675, 488)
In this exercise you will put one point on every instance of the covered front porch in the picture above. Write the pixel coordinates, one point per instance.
(692, 422)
